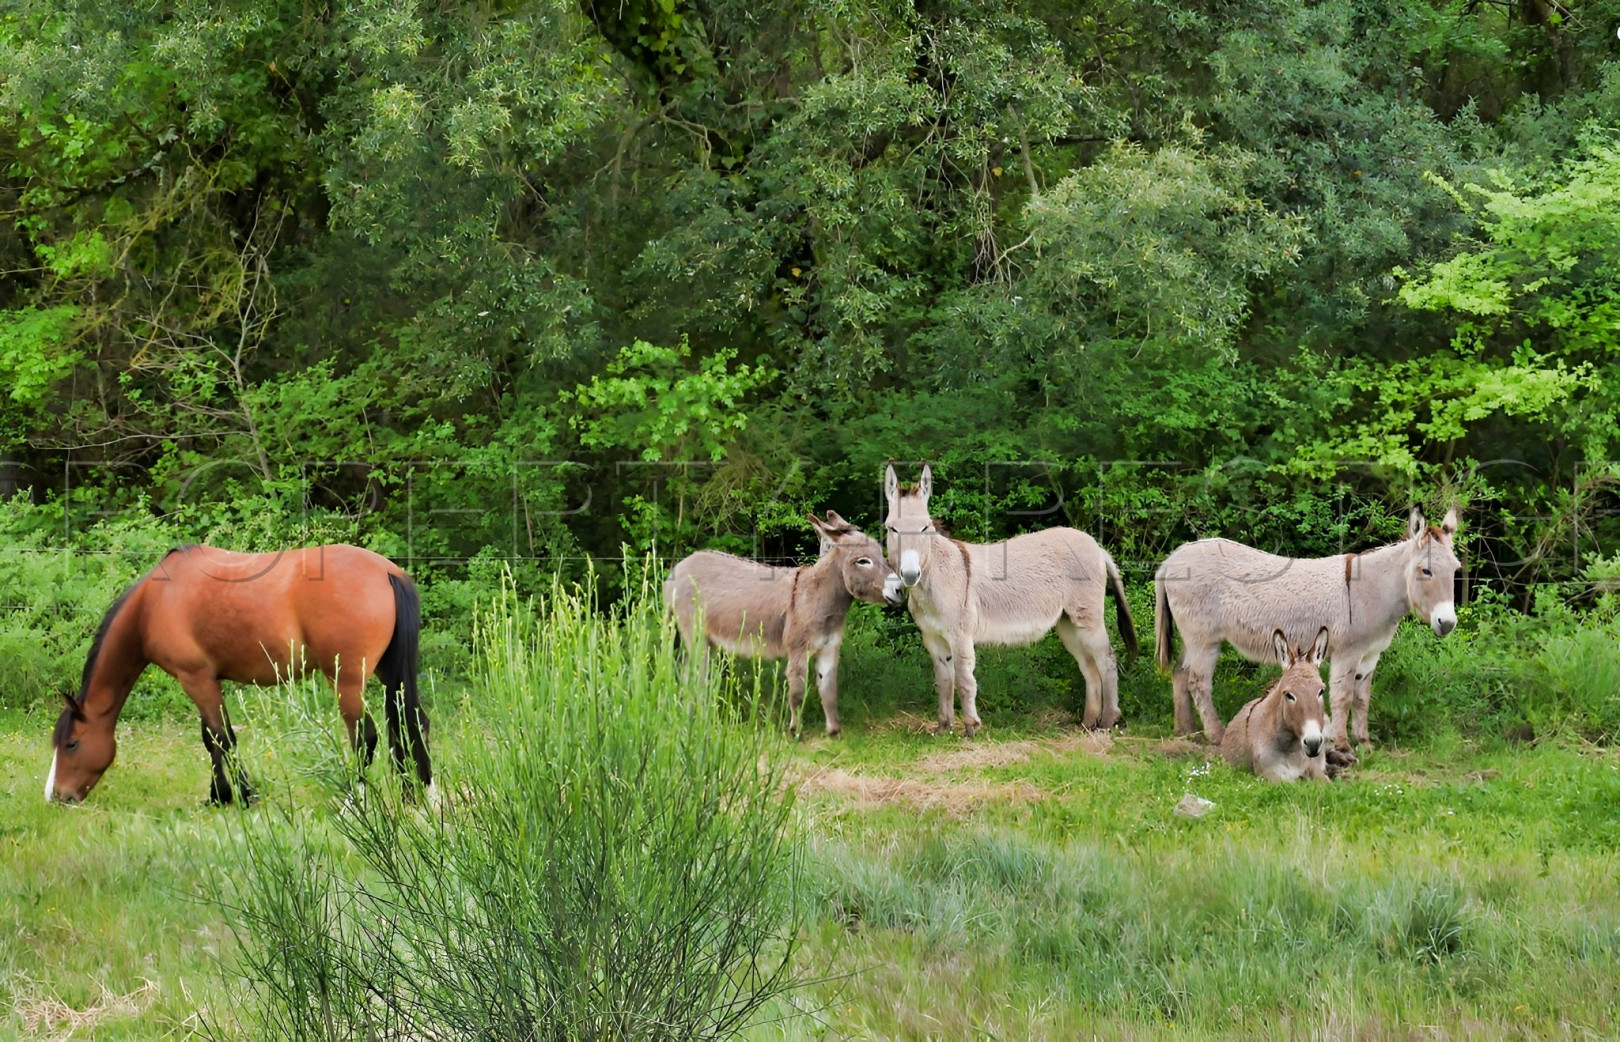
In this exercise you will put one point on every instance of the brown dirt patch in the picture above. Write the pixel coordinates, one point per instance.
(955, 798)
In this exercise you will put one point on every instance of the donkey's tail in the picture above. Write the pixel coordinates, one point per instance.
(1122, 607)
(1164, 624)
(397, 669)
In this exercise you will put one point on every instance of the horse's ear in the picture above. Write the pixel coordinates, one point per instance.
(72, 705)
(925, 484)
(891, 484)
(1319, 649)
(1279, 643)
(1448, 524)
(1415, 528)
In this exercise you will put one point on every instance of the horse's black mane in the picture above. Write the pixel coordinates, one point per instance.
(106, 624)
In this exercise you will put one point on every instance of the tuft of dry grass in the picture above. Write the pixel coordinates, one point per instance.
(43, 1011)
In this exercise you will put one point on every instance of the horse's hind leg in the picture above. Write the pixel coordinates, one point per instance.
(219, 738)
(362, 730)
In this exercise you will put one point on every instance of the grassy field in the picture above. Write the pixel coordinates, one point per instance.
(1033, 883)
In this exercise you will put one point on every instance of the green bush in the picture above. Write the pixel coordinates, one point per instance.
(612, 857)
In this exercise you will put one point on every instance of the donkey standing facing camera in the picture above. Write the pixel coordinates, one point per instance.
(1012, 592)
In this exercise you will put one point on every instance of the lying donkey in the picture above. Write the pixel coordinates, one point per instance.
(1279, 735)
(758, 611)
(1216, 590)
(1012, 592)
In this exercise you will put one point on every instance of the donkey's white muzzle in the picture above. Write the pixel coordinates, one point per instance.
(910, 567)
(891, 590)
(1443, 619)
(1312, 738)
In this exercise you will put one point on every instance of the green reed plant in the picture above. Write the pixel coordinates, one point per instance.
(609, 854)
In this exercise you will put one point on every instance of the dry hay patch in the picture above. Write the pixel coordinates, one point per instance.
(955, 798)
(42, 1011)
(984, 755)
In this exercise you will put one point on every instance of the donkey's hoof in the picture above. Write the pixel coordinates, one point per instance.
(835, 732)
(1338, 759)
(940, 730)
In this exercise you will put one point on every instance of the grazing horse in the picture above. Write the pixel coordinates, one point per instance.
(1279, 735)
(1215, 590)
(1012, 592)
(205, 615)
(758, 611)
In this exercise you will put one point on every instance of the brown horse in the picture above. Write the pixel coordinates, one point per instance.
(205, 615)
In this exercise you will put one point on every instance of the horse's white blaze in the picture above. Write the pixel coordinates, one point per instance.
(910, 567)
(1443, 618)
(50, 780)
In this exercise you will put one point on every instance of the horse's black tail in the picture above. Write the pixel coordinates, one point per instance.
(397, 670)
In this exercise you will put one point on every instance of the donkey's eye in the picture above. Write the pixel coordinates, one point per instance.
(1427, 574)
(1288, 695)
(865, 562)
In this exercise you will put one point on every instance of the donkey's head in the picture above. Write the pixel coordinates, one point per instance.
(1299, 690)
(865, 574)
(1431, 571)
(82, 750)
(908, 523)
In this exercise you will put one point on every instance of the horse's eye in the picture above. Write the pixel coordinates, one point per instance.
(70, 746)
(1288, 695)
(865, 562)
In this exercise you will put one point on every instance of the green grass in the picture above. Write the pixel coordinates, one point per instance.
(1019, 885)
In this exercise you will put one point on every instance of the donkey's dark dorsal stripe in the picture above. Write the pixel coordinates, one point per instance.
(205, 616)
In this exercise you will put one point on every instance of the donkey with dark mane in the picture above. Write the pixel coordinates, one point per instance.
(205, 615)
(1216, 590)
(1279, 735)
(758, 611)
(1012, 592)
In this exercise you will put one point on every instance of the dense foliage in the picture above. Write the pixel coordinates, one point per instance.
(534, 280)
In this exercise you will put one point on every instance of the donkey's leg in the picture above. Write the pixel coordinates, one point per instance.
(1341, 691)
(939, 649)
(219, 738)
(798, 669)
(1363, 695)
(1069, 632)
(827, 685)
(1181, 698)
(967, 685)
(1198, 676)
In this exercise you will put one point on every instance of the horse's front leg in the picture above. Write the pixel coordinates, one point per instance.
(939, 649)
(798, 670)
(827, 685)
(219, 738)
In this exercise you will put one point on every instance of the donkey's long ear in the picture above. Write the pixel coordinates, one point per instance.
(1415, 527)
(891, 485)
(1319, 649)
(925, 484)
(1448, 524)
(836, 523)
(1279, 643)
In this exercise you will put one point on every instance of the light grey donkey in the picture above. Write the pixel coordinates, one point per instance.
(1013, 592)
(1279, 735)
(1215, 590)
(758, 611)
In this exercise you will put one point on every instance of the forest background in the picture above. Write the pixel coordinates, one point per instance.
(527, 285)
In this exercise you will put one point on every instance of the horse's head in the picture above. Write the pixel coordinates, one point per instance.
(908, 523)
(1431, 574)
(1300, 689)
(865, 574)
(82, 752)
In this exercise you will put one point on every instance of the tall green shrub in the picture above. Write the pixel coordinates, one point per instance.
(611, 857)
